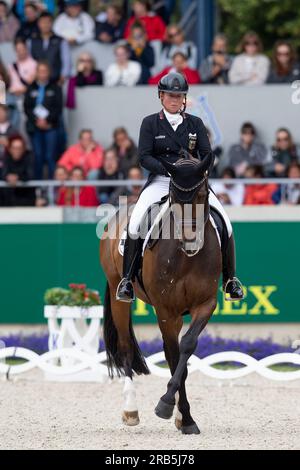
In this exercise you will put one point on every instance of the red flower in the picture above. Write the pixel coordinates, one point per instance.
(77, 286)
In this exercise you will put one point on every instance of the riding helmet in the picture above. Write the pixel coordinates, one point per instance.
(173, 82)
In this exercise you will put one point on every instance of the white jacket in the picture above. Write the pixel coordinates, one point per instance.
(80, 28)
(244, 67)
(115, 76)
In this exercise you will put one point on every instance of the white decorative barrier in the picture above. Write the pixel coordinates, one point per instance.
(95, 363)
(75, 328)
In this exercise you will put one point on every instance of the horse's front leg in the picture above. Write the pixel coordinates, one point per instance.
(188, 344)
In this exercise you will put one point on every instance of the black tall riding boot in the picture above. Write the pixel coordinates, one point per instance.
(131, 257)
(231, 285)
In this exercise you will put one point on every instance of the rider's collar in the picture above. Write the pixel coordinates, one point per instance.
(174, 119)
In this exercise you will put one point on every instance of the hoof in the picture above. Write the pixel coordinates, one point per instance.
(178, 424)
(131, 418)
(164, 410)
(191, 429)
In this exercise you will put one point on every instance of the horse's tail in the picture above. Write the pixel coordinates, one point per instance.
(114, 359)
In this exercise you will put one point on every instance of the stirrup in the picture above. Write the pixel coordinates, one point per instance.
(125, 291)
(227, 295)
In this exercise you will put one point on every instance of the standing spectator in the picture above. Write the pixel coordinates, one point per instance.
(85, 196)
(48, 46)
(290, 193)
(283, 153)
(29, 28)
(250, 67)
(153, 24)
(110, 25)
(109, 171)
(170, 6)
(141, 51)
(23, 71)
(74, 25)
(229, 194)
(87, 154)
(214, 69)
(9, 24)
(43, 108)
(175, 42)
(87, 74)
(132, 191)
(126, 150)
(259, 194)
(248, 152)
(180, 65)
(10, 99)
(123, 72)
(6, 130)
(41, 5)
(285, 67)
(17, 167)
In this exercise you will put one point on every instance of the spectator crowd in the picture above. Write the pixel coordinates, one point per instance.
(146, 45)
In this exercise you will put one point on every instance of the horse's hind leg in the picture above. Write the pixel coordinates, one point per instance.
(120, 350)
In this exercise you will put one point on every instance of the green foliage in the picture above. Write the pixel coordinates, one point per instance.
(271, 19)
(78, 295)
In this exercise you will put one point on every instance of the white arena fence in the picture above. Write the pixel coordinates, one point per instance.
(78, 361)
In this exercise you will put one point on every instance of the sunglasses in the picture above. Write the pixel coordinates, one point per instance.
(219, 52)
(173, 35)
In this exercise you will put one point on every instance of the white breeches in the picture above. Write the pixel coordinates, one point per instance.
(157, 189)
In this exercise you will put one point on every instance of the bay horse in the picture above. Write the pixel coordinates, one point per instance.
(175, 281)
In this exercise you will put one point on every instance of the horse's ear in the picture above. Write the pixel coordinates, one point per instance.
(170, 167)
(206, 163)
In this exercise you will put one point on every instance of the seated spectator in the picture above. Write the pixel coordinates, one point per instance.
(87, 75)
(23, 71)
(126, 150)
(285, 67)
(218, 152)
(43, 108)
(248, 152)
(214, 69)
(74, 25)
(250, 67)
(229, 194)
(180, 65)
(123, 72)
(29, 28)
(18, 166)
(87, 154)
(6, 130)
(290, 193)
(153, 24)
(110, 25)
(41, 6)
(109, 171)
(141, 51)
(259, 194)
(84, 196)
(9, 25)
(48, 46)
(175, 42)
(283, 153)
(132, 191)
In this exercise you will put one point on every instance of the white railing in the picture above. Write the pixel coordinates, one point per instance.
(76, 361)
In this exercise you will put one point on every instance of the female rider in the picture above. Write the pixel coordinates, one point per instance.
(163, 134)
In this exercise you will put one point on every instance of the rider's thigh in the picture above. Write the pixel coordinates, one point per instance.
(153, 193)
(214, 202)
